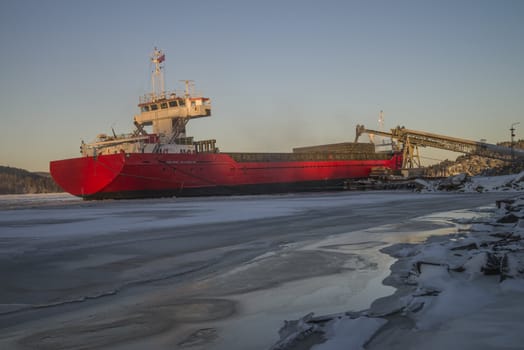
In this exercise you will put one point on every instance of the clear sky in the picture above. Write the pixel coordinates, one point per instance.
(280, 73)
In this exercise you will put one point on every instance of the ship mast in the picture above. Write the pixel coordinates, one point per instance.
(157, 78)
(189, 87)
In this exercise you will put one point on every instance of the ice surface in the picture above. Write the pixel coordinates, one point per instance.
(465, 291)
(455, 303)
(348, 333)
(157, 214)
(353, 280)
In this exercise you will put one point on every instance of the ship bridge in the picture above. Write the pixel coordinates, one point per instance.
(168, 115)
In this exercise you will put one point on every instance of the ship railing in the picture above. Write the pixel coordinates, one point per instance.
(166, 95)
(116, 141)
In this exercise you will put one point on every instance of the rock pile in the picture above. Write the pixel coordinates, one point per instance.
(470, 165)
(473, 165)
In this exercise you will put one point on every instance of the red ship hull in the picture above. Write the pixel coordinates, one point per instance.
(140, 175)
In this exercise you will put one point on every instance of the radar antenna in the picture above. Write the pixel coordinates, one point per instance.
(189, 87)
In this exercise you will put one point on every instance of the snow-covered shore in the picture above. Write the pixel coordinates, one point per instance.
(465, 183)
(463, 291)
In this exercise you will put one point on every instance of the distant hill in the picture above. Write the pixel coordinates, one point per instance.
(20, 181)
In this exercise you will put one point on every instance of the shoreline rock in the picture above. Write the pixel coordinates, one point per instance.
(438, 281)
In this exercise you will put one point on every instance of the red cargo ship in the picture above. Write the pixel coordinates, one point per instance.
(158, 159)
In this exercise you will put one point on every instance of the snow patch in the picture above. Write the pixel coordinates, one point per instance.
(348, 333)
(464, 183)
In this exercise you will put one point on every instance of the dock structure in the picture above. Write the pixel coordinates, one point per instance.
(410, 140)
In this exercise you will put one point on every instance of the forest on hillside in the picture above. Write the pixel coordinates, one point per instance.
(20, 181)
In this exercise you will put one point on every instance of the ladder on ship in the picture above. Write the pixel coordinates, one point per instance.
(411, 140)
(179, 128)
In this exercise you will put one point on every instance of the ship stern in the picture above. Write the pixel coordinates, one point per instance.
(86, 177)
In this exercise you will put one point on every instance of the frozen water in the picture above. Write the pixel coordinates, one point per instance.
(226, 270)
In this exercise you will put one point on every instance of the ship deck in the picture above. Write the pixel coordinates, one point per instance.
(243, 157)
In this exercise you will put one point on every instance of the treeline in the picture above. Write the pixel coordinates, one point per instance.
(20, 181)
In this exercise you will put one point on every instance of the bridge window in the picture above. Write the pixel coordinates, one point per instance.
(163, 105)
(172, 104)
(181, 103)
(154, 107)
(145, 108)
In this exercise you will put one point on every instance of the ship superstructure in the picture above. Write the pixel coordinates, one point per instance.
(166, 113)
